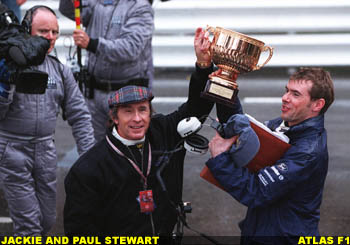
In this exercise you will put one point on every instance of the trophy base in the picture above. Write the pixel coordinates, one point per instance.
(219, 92)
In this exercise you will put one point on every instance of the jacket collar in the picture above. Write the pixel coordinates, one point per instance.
(309, 126)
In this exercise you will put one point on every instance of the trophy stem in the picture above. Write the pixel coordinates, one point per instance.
(221, 89)
(229, 77)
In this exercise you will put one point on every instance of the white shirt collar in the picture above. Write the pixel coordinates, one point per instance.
(126, 141)
(282, 128)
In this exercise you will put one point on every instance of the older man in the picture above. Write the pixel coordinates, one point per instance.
(28, 158)
(114, 188)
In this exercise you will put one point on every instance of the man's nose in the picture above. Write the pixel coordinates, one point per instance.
(285, 97)
(50, 35)
(137, 116)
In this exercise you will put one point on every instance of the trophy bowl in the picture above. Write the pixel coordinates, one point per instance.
(234, 53)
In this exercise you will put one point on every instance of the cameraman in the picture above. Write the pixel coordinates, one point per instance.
(27, 126)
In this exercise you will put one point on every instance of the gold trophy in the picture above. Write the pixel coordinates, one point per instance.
(234, 53)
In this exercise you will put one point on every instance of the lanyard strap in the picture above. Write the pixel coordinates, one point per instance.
(133, 163)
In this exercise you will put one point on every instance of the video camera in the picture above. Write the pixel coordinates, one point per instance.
(20, 51)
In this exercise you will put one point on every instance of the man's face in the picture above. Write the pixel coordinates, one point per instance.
(133, 120)
(45, 24)
(296, 102)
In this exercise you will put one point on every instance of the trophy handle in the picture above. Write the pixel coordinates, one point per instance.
(268, 58)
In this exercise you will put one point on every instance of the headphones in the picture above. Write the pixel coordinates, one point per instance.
(28, 17)
(193, 142)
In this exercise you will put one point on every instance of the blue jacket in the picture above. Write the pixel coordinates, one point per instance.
(283, 200)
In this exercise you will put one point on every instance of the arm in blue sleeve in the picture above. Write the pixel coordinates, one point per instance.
(268, 184)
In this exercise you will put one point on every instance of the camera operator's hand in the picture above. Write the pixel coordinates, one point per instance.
(81, 39)
(4, 74)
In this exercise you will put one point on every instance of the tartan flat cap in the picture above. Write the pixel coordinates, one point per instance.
(129, 94)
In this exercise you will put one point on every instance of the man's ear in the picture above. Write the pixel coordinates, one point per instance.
(113, 117)
(318, 105)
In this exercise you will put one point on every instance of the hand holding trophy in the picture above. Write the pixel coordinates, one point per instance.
(234, 53)
(201, 47)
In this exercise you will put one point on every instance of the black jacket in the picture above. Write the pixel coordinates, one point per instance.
(102, 186)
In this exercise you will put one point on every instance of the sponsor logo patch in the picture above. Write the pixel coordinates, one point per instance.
(283, 167)
(116, 20)
(263, 180)
(51, 83)
(269, 175)
(274, 169)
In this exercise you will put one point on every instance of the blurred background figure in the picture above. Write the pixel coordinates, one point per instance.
(118, 41)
